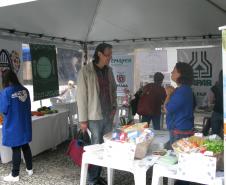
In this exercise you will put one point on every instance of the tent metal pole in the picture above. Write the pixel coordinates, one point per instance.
(217, 6)
(93, 20)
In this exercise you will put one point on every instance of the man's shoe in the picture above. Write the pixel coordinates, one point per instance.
(102, 181)
(29, 172)
(10, 178)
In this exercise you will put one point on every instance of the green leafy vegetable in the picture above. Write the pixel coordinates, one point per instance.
(216, 146)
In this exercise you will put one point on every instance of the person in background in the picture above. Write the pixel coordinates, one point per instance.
(17, 129)
(208, 104)
(97, 101)
(209, 99)
(69, 94)
(179, 103)
(217, 115)
(151, 100)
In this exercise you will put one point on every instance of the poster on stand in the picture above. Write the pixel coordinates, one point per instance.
(44, 71)
(10, 57)
(224, 73)
(149, 62)
(224, 85)
(69, 64)
(206, 64)
(123, 69)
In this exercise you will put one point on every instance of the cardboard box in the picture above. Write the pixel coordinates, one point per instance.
(124, 151)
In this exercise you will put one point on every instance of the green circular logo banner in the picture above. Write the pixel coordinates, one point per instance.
(44, 67)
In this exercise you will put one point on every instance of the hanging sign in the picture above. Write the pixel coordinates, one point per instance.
(10, 56)
(44, 71)
(123, 72)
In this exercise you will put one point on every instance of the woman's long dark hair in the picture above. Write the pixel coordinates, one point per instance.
(100, 48)
(186, 73)
(9, 78)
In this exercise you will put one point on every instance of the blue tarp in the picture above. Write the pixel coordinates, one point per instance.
(26, 54)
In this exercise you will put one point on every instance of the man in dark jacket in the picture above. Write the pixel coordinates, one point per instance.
(151, 100)
(217, 116)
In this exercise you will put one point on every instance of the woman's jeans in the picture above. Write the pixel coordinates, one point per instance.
(17, 158)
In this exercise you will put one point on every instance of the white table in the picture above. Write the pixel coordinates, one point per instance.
(95, 155)
(72, 113)
(170, 171)
(47, 132)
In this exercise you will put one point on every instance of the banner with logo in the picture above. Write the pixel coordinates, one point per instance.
(44, 71)
(10, 57)
(206, 64)
(123, 69)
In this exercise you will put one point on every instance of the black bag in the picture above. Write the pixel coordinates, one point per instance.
(134, 102)
(83, 138)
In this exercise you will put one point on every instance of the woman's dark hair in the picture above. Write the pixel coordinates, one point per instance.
(158, 77)
(9, 78)
(100, 48)
(186, 73)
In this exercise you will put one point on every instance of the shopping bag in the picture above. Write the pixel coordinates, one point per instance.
(75, 148)
(75, 152)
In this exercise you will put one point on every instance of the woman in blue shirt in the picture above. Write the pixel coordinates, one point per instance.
(17, 129)
(179, 103)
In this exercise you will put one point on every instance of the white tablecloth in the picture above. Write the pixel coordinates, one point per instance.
(47, 132)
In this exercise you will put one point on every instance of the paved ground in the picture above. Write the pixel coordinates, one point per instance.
(53, 167)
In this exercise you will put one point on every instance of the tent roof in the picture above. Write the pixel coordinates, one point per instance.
(93, 20)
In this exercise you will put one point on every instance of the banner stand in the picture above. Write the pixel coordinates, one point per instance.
(223, 29)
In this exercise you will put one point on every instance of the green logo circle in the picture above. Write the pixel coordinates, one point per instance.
(44, 67)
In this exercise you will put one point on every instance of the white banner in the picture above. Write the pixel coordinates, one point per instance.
(224, 74)
(206, 64)
(224, 89)
(150, 62)
(123, 69)
(11, 57)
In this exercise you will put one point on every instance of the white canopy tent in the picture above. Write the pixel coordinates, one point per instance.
(116, 20)
(102, 20)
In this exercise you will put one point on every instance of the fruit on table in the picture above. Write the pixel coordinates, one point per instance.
(1, 119)
(196, 141)
(51, 111)
(42, 109)
(46, 110)
(36, 113)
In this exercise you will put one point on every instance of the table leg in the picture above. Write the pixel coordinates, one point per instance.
(162, 121)
(140, 177)
(156, 178)
(84, 170)
(219, 181)
(71, 125)
(171, 181)
(110, 176)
